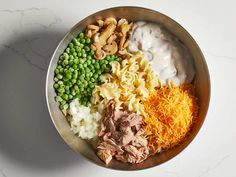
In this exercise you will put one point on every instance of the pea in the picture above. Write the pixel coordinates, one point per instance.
(58, 98)
(81, 35)
(60, 82)
(73, 92)
(66, 56)
(82, 41)
(75, 66)
(70, 97)
(56, 71)
(65, 97)
(89, 57)
(56, 85)
(67, 50)
(88, 41)
(87, 48)
(65, 62)
(73, 81)
(56, 79)
(97, 66)
(76, 61)
(71, 45)
(62, 90)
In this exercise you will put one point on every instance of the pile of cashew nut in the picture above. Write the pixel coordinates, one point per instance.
(109, 36)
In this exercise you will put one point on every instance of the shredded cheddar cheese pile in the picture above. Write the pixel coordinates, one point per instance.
(170, 114)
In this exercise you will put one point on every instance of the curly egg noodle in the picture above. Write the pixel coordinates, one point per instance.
(130, 83)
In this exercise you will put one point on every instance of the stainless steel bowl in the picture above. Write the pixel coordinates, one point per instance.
(201, 81)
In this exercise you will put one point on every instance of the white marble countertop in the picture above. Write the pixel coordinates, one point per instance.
(30, 31)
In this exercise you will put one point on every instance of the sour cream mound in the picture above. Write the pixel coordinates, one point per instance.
(168, 57)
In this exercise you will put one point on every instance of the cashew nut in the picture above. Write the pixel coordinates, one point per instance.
(110, 20)
(122, 21)
(106, 33)
(100, 54)
(93, 27)
(100, 23)
(111, 38)
(110, 48)
(96, 37)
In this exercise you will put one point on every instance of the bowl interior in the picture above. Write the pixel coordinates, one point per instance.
(201, 82)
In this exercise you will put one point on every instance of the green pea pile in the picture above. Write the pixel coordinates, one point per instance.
(78, 72)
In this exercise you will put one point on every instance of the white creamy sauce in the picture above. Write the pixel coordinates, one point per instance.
(168, 57)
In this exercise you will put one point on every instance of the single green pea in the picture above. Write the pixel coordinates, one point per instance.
(74, 54)
(103, 66)
(88, 41)
(71, 62)
(93, 61)
(82, 41)
(62, 90)
(67, 50)
(73, 92)
(70, 97)
(56, 71)
(99, 72)
(76, 87)
(73, 81)
(75, 66)
(61, 70)
(56, 79)
(71, 45)
(67, 87)
(58, 98)
(89, 62)
(89, 57)
(79, 54)
(67, 91)
(82, 61)
(74, 40)
(81, 35)
(72, 50)
(81, 66)
(65, 62)
(87, 70)
(56, 85)
(65, 97)
(76, 61)
(97, 66)
(87, 48)
(91, 85)
(78, 96)
(66, 56)
(68, 76)
(95, 76)
(59, 76)
(82, 45)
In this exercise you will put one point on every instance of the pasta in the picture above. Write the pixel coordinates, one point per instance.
(130, 82)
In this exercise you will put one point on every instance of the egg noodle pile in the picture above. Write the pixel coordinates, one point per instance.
(130, 82)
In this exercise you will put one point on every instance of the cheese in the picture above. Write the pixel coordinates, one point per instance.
(170, 113)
